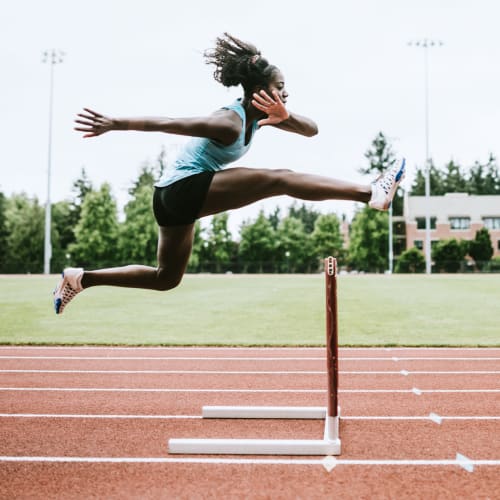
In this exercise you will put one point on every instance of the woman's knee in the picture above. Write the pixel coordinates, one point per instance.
(167, 281)
(281, 177)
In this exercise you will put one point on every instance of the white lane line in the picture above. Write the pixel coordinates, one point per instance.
(250, 358)
(248, 461)
(435, 418)
(465, 462)
(222, 348)
(243, 391)
(258, 372)
(416, 391)
(423, 418)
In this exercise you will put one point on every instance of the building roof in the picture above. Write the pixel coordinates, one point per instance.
(453, 205)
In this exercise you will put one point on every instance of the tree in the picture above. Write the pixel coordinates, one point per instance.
(380, 156)
(62, 234)
(484, 178)
(411, 261)
(454, 180)
(448, 255)
(294, 248)
(369, 241)
(97, 231)
(326, 237)
(220, 247)
(258, 245)
(25, 222)
(436, 182)
(194, 264)
(306, 214)
(481, 248)
(3, 232)
(139, 232)
(275, 218)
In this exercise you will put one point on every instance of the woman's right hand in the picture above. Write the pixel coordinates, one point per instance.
(93, 124)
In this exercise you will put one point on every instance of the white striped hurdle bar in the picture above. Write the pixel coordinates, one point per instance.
(329, 445)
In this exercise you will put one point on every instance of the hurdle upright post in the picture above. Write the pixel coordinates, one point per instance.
(332, 351)
(329, 445)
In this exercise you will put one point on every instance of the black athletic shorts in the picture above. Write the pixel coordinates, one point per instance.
(180, 203)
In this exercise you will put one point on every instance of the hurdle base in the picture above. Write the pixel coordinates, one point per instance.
(329, 445)
(254, 447)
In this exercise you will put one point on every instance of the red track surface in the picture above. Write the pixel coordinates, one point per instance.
(95, 422)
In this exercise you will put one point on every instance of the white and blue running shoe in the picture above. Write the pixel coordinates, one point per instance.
(384, 187)
(68, 287)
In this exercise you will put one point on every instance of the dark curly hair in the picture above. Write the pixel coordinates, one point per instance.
(237, 62)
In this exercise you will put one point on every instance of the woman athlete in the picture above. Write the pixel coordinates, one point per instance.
(199, 185)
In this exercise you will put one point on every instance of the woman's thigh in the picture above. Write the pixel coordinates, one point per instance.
(238, 187)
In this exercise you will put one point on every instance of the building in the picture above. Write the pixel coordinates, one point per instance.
(454, 215)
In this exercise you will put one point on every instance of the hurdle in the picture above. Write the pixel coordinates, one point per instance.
(329, 445)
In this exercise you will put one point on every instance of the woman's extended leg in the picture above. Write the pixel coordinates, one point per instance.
(238, 187)
(174, 248)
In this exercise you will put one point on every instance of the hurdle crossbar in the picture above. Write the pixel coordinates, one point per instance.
(329, 445)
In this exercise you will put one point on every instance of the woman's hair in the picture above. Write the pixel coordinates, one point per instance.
(238, 62)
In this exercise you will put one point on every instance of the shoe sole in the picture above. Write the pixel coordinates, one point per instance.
(398, 179)
(58, 294)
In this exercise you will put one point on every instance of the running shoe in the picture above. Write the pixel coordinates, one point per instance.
(384, 187)
(68, 287)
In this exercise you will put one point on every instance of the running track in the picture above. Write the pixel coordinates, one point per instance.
(94, 422)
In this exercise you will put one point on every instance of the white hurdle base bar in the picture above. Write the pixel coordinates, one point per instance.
(329, 445)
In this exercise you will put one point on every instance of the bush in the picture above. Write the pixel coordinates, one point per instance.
(494, 265)
(411, 261)
(449, 255)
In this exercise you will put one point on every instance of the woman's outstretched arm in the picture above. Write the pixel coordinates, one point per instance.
(223, 126)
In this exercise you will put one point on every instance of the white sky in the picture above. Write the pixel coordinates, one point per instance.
(347, 65)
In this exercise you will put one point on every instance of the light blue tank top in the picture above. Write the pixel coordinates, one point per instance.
(201, 154)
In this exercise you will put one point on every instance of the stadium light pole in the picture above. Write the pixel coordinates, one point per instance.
(52, 57)
(426, 43)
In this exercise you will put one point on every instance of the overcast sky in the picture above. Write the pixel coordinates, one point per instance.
(347, 65)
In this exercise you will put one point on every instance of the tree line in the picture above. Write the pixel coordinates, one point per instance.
(87, 231)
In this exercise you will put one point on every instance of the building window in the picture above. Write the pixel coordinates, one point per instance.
(419, 244)
(498, 245)
(491, 222)
(459, 223)
(421, 222)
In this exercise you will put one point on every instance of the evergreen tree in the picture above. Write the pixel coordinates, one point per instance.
(275, 218)
(306, 214)
(481, 248)
(380, 156)
(449, 255)
(453, 179)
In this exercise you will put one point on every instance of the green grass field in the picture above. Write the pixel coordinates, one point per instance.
(259, 310)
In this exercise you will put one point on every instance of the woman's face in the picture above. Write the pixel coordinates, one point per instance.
(277, 84)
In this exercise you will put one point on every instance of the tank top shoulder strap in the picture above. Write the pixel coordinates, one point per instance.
(237, 107)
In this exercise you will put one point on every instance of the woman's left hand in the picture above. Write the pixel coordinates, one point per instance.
(272, 106)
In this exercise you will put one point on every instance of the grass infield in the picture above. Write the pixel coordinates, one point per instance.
(406, 310)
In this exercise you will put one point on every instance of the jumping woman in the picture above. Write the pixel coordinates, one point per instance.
(200, 185)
